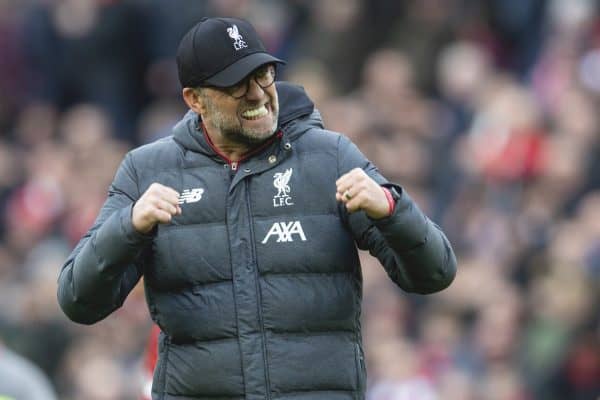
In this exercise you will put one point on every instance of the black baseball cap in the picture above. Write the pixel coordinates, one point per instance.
(220, 52)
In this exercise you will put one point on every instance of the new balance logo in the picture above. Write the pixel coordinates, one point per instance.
(191, 195)
(285, 231)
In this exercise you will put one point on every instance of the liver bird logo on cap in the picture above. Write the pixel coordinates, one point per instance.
(238, 40)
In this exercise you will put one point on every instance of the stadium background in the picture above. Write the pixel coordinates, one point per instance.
(486, 111)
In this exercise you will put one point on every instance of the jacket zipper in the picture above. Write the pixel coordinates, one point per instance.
(259, 300)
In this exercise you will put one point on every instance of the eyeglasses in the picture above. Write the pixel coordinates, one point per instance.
(263, 76)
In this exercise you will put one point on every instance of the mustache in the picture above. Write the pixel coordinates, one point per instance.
(252, 105)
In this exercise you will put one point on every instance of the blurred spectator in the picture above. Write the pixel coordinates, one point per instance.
(89, 51)
(21, 380)
(12, 63)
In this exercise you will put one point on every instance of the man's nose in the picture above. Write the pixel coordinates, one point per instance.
(255, 92)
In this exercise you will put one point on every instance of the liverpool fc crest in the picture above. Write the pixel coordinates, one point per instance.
(281, 182)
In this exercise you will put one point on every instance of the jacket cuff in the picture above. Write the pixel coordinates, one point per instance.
(117, 240)
(129, 230)
(407, 227)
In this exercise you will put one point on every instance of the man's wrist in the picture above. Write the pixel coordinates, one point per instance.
(390, 199)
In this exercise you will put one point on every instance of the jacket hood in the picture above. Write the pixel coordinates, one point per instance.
(297, 114)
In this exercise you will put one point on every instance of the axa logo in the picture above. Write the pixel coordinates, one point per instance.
(191, 195)
(238, 40)
(281, 182)
(285, 232)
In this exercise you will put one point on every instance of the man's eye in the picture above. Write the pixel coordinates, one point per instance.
(236, 87)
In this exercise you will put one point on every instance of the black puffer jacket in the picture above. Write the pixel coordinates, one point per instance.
(257, 284)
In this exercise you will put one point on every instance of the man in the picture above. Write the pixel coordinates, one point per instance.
(244, 224)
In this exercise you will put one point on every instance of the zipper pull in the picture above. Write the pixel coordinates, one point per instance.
(234, 165)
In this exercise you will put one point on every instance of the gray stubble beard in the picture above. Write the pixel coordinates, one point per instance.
(233, 131)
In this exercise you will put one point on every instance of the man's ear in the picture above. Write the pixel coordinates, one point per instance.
(194, 100)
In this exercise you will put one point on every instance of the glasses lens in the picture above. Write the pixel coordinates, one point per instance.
(238, 90)
(264, 76)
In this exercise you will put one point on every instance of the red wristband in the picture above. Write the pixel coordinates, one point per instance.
(390, 199)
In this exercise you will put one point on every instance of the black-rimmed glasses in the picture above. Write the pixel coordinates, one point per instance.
(263, 76)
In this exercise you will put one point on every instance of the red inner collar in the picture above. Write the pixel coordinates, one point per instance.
(249, 154)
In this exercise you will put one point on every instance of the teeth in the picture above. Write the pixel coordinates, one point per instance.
(256, 112)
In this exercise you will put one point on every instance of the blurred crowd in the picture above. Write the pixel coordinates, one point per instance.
(485, 111)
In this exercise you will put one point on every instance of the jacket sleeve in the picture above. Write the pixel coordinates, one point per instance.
(413, 250)
(104, 266)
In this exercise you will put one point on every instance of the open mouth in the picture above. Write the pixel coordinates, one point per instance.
(256, 113)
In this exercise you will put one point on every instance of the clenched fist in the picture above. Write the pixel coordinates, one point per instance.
(157, 205)
(359, 192)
